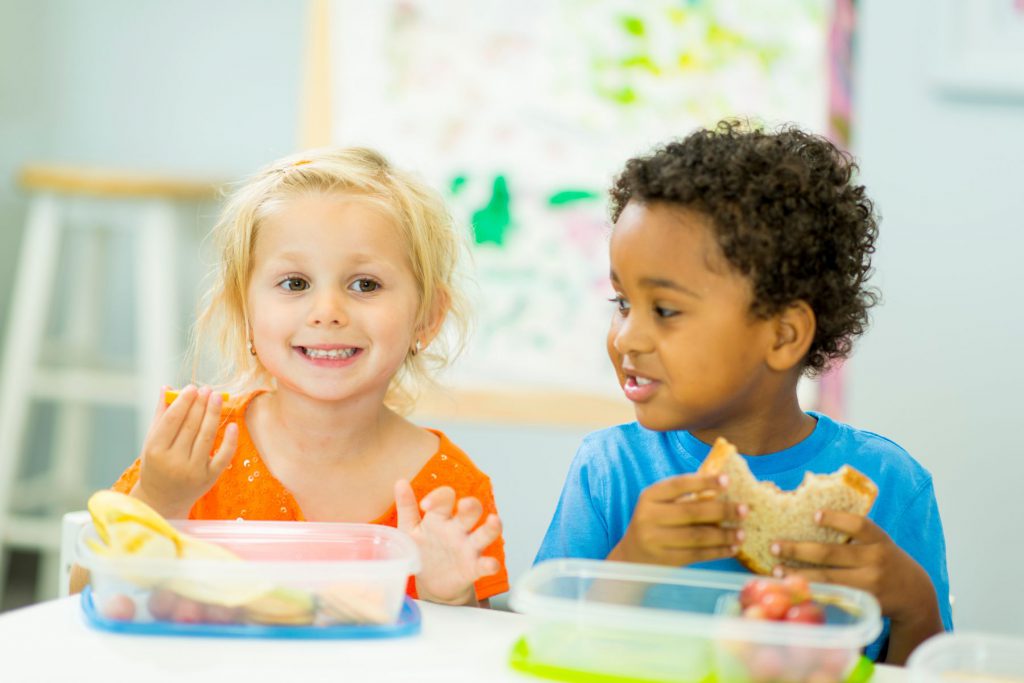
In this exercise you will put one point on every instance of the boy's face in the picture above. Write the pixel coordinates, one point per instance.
(686, 349)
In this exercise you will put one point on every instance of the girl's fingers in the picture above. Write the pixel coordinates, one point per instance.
(440, 502)
(486, 534)
(161, 408)
(468, 512)
(406, 507)
(186, 437)
(486, 566)
(161, 404)
(166, 428)
(203, 445)
(222, 458)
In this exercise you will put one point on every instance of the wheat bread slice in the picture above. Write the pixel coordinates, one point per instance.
(775, 514)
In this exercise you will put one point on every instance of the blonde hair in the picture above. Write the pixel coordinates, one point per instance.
(434, 249)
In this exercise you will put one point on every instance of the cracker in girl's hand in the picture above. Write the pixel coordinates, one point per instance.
(169, 396)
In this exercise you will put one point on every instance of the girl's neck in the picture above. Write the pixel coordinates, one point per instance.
(322, 432)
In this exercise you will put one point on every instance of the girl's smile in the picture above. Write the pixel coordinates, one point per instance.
(332, 299)
(329, 356)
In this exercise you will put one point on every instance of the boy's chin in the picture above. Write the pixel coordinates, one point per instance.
(659, 421)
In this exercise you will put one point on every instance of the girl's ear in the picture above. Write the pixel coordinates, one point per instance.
(794, 329)
(435, 318)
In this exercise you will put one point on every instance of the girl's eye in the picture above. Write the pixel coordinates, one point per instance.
(621, 304)
(365, 285)
(295, 284)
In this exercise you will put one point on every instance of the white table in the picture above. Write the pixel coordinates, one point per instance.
(50, 642)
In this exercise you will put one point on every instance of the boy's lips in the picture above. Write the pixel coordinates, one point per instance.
(638, 388)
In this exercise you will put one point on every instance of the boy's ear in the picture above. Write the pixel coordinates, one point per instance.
(794, 330)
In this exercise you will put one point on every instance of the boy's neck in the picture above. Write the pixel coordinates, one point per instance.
(781, 425)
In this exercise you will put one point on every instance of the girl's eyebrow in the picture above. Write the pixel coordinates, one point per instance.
(291, 256)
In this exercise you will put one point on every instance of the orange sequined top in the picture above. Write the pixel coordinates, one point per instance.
(248, 490)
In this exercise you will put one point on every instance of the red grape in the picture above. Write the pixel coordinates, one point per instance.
(806, 613)
(119, 607)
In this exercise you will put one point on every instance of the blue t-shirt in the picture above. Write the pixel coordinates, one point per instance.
(614, 465)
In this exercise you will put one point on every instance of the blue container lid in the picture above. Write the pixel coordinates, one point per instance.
(408, 624)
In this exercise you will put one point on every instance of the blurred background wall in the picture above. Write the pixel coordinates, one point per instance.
(213, 89)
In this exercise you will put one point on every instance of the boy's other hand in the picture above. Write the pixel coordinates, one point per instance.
(451, 544)
(872, 562)
(177, 467)
(679, 521)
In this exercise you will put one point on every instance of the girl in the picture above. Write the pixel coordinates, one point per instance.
(336, 275)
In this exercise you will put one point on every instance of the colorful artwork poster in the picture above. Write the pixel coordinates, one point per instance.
(523, 112)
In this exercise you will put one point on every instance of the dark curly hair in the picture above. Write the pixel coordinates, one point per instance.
(786, 215)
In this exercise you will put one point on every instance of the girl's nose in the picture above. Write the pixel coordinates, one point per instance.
(328, 310)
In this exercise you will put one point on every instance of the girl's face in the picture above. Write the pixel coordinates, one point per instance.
(686, 350)
(332, 298)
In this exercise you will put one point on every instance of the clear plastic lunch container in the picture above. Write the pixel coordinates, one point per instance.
(290, 579)
(968, 658)
(612, 621)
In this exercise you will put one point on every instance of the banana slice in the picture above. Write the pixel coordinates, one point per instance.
(130, 528)
(108, 508)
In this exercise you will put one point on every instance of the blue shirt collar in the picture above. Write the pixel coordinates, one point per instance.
(792, 458)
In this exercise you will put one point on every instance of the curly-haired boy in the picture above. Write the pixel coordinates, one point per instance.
(740, 261)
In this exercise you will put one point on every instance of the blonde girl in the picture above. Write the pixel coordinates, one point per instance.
(337, 274)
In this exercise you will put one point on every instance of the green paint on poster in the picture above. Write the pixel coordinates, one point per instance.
(569, 196)
(633, 26)
(491, 223)
(625, 95)
(458, 182)
(641, 62)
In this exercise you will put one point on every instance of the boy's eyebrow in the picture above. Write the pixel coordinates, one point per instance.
(657, 282)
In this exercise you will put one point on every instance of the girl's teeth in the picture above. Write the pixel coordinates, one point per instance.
(642, 381)
(330, 353)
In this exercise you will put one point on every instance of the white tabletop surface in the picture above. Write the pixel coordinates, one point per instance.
(51, 642)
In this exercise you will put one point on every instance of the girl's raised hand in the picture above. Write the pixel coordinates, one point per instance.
(678, 521)
(176, 466)
(451, 551)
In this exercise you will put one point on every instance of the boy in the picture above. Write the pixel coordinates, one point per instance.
(739, 260)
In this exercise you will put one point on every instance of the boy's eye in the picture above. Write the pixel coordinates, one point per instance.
(294, 284)
(365, 285)
(663, 312)
(620, 303)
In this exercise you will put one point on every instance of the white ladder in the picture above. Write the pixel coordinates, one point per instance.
(74, 388)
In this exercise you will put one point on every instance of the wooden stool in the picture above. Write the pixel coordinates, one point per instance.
(74, 386)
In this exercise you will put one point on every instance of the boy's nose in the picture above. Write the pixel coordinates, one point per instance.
(629, 337)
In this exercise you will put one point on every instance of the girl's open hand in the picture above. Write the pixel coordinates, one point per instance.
(176, 466)
(678, 521)
(451, 551)
(871, 562)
